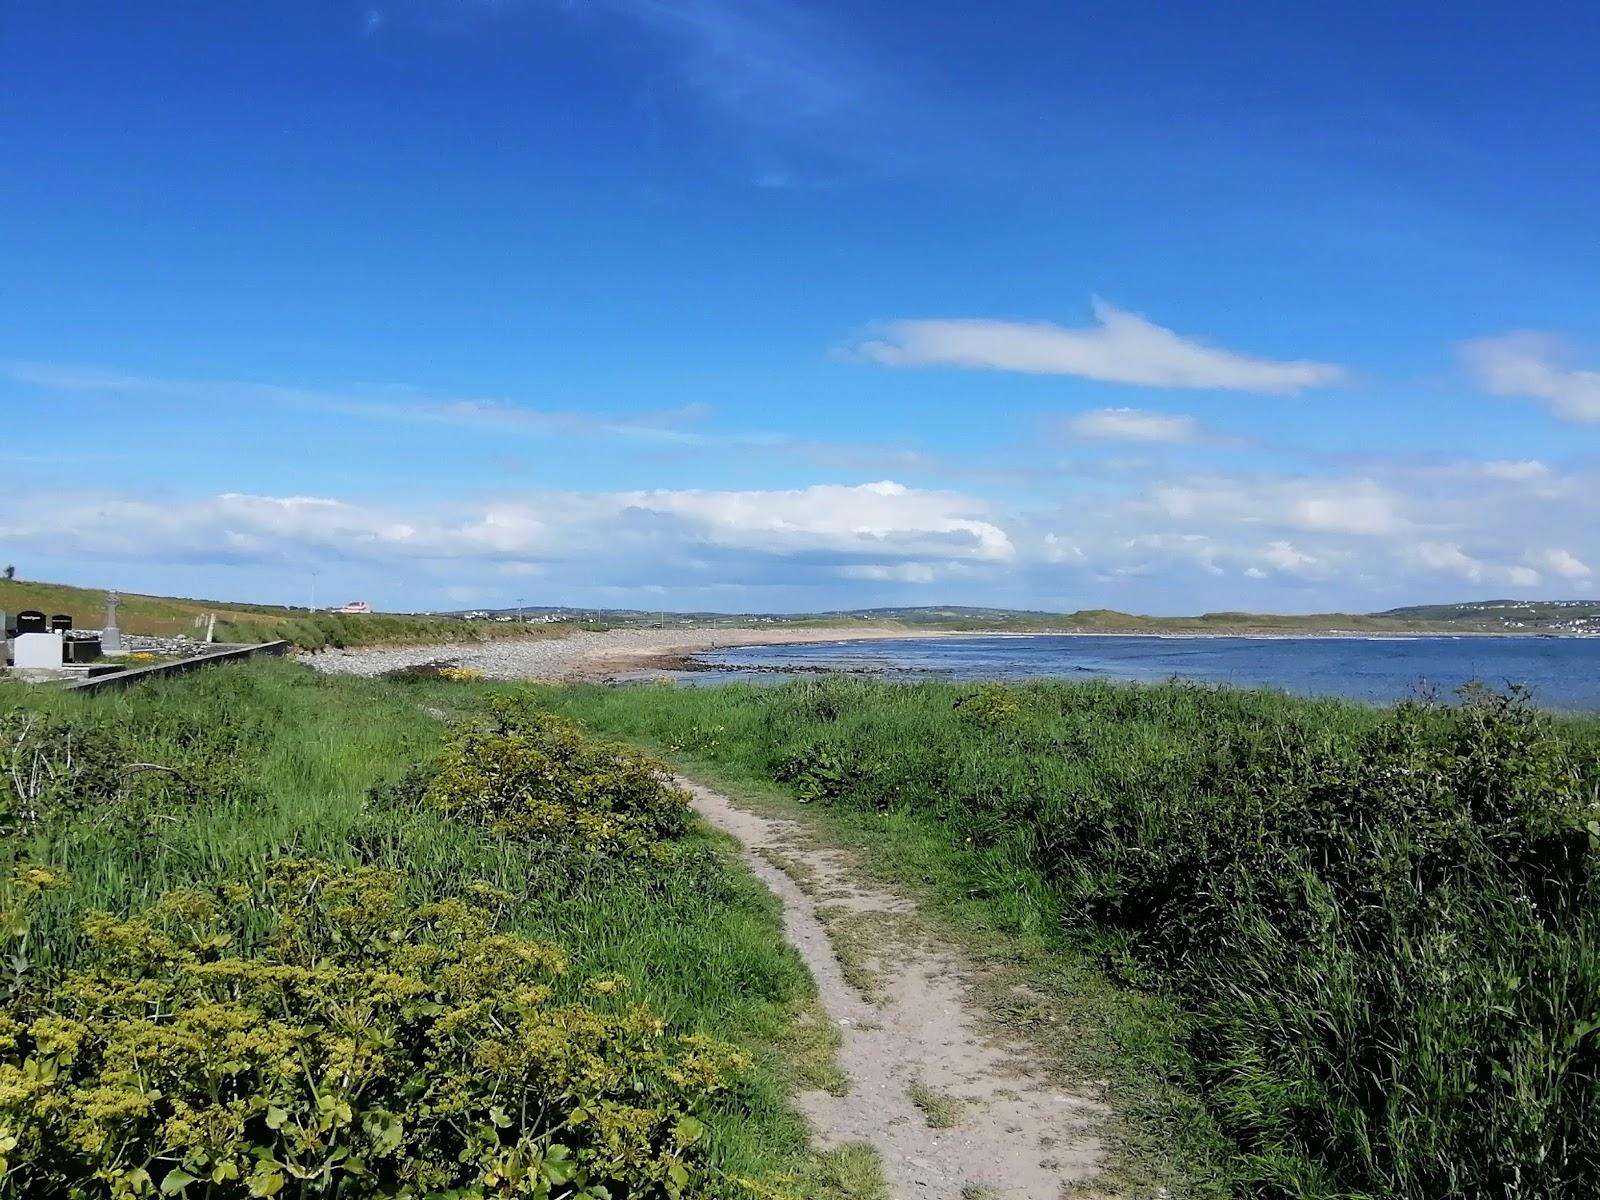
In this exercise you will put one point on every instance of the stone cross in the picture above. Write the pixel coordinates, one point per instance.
(111, 636)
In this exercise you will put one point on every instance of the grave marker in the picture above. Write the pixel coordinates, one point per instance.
(111, 636)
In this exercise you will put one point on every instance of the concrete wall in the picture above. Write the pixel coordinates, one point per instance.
(140, 674)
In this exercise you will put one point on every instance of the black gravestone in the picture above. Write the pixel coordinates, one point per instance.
(60, 623)
(31, 621)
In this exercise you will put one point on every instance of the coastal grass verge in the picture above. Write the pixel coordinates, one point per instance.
(337, 870)
(306, 629)
(1318, 950)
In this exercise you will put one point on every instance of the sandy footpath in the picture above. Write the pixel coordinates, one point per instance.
(591, 656)
(954, 1108)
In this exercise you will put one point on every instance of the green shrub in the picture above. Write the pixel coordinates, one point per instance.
(531, 774)
(360, 1045)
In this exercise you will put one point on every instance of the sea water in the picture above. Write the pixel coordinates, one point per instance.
(1561, 673)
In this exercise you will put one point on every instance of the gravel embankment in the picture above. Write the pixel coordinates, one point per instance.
(581, 655)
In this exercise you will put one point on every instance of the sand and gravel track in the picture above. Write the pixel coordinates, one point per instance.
(954, 1109)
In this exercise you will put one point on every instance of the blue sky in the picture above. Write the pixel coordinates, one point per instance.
(768, 305)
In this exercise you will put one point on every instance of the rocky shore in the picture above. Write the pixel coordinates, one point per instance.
(612, 654)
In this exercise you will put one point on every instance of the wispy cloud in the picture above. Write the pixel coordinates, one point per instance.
(1528, 366)
(1135, 425)
(665, 425)
(1524, 470)
(387, 402)
(686, 426)
(1122, 347)
(753, 55)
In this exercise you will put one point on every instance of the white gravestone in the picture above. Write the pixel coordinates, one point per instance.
(37, 650)
(111, 636)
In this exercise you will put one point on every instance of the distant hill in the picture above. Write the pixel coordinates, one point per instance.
(243, 621)
(1494, 616)
(1507, 616)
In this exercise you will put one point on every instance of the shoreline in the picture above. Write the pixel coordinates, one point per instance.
(688, 658)
(595, 657)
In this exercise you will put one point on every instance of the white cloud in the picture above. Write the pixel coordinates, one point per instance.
(862, 518)
(1561, 563)
(1516, 471)
(891, 573)
(1285, 557)
(1350, 506)
(1449, 558)
(1134, 425)
(879, 524)
(1527, 366)
(1122, 348)
(1058, 549)
(1396, 534)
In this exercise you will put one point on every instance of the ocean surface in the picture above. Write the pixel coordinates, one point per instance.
(1563, 673)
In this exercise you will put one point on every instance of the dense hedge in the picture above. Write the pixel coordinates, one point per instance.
(1383, 925)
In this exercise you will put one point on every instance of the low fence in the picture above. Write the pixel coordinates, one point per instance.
(133, 675)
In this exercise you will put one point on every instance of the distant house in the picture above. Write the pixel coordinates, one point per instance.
(355, 606)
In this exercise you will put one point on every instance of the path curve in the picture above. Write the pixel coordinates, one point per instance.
(914, 1043)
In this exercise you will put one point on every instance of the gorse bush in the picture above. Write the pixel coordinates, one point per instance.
(528, 773)
(1383, 927)
(360, 1045)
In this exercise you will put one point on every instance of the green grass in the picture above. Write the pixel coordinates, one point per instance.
(939, 1110)
(166, 616)
(207, 777)
(1319, 950)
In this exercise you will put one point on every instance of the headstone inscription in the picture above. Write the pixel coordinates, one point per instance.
(60, 623)
(31, 620)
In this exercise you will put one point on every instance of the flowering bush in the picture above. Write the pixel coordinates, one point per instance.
(328, 1036)
(532, 774)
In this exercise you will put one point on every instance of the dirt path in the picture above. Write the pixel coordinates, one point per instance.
(955, 1112)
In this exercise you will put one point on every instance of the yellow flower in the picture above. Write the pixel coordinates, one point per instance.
(32, 877)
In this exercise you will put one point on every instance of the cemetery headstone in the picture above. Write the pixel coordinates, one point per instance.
(37, 650)
(111, 636)
(60, 623)
(31, 620)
